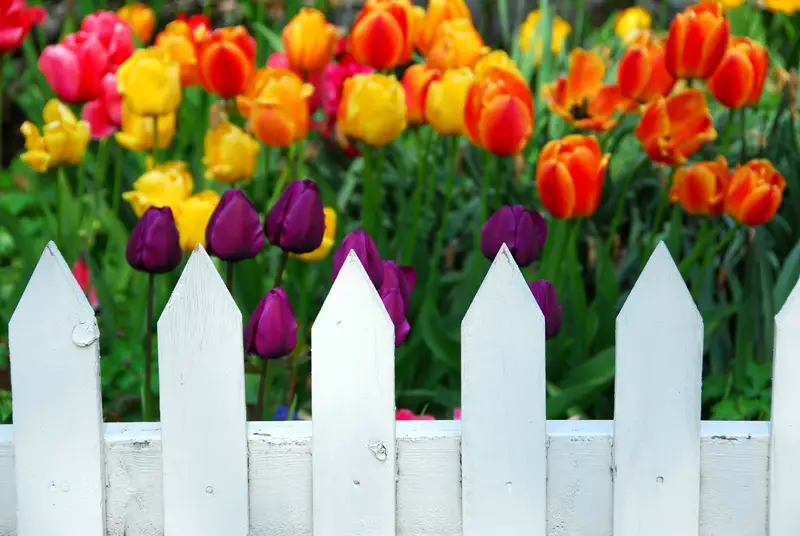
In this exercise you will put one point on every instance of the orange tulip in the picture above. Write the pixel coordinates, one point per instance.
(141, 19)
(570, 174)
(226, 58)
(278, 112)
(456, 44)
(416, 81)
(384, 33)
(180, 42)
(438, 12)
(496, 58)
(755, 193)
(739, 79)
(674, 128)
(641, 72)
(498, 115)
(309, 40)
(701, 188)
(697, 41)
(581, 98)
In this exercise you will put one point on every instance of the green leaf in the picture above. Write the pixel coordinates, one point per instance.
(272, 38)
(788, 277)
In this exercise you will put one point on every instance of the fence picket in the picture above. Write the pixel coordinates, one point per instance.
(784, 464)
(657, 405)
(353, 448)
(203, 420)
(504, 436)
(58, 414)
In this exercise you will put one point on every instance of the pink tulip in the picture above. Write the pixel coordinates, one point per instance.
(457, 414)
(75, 67)
(408, 415)
(114, 34)
(104, 114)
(279, 60)
(81, 273)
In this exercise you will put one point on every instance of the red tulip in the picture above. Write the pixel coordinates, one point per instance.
(16, 20)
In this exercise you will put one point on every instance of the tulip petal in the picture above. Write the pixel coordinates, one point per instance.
(556, 189)
(505, 126)
(760, 205)
(582, 166)
(586, 73)
(377, 40)
(62, 71)
(633, 72)
(733, 80)
(100, 124)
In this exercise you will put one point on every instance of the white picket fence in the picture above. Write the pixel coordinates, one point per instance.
(656, 470)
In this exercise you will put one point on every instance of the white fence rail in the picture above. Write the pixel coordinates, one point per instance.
(655, 470)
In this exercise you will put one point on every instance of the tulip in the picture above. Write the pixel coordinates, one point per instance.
(276, 101)
(328, 238)
(570, 174)
(192, 217)
(16, 20)
(523, 231)
(631, 22)
(179, 40)
(136, 133)
(755, 193)
(580, 97)
(199, 23)
(408, 415)
(731, 4)
(456, 43)
(495, 59)
(230, 153)
(547, 298)
(372, 109)
(309, 40)
(739, 79)
(271, 331)
(75, 67)
(456, 414)
(141, 18)
(153, 246)
(226, 58)
(674, 128)
(104, 114)
(498, 115)
(162, 185)
(698, 38)
(279, 60)
(701, 188)
(366, 251)
(114, 34)
(416, 81)
(439, 11)
(62, 140)
(234, 230)
(392, 299)
(444, 107)
(296, 223)
(83, 276)
(782, 6)
(150, 81)
(402, 278)
(641, 73)
(527, 35)
(384, 32)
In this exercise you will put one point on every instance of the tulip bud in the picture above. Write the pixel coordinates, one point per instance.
(234, 230)
(297, 221)
(755, 192)
(523, 231)
(402, 278)
(395, 305)
(154, 246)
(367, 252)
(271, 331)
(546, 296)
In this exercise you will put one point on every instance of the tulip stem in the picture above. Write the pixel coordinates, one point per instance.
(662, 206)
(381, 159)
(423, 149)
(117, 194)
(154, 150)
(621, 203)
(262, 387)
(281, 268)
(148, 349)
(743, 154)
(448, 197)
(2, 101)
(368, 211)
(710, 257)
(726, 137)
(229, 276)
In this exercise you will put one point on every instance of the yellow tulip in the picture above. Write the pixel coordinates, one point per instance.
(444, 107)
(784, 6)
(62, 140)
(191, 218)
(230, 153)
(150, 82)
(327, 239)
(372, 109)
(527, 35)
(496, 58)
(162, 185)
(136, 133)
(631, 22)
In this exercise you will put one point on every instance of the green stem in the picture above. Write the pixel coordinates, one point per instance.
(147, 402)
(368, 210)
(657, 221)
(154, 150)
(281, 268)
(117, 193)
(281, 182)
(710, 257)
(743, 154)
(448, 197)
(487, 175)
(262, 388)
(378, 196)
(621, 203)
(498, 182)
(229, 276)
(704, 237)
(726, 138)
(2, 101)
(262, 177)
(299, 160)
(664, 12)
(580, 15)
(422, 159)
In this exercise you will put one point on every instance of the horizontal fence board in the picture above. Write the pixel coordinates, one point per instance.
(733, 486)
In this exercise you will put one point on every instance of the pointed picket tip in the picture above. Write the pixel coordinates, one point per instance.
(790, 312)
(353, 285)
(503, 281)
(660, 293)
(51, 280)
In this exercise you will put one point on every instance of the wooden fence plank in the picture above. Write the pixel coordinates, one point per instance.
(203, 420)
(659, 363)
(354, 456)
(504, 441)
(57, 407)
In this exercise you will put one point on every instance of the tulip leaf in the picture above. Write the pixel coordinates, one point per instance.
(272, 38)
(788, 277)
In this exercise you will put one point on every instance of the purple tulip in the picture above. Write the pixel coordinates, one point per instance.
(367, 252)
(296, 223)
(234, 231)
(154, 245)
(523, 231)
(400, 277)
(395, 305)
(547, 298)
(271, 331)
